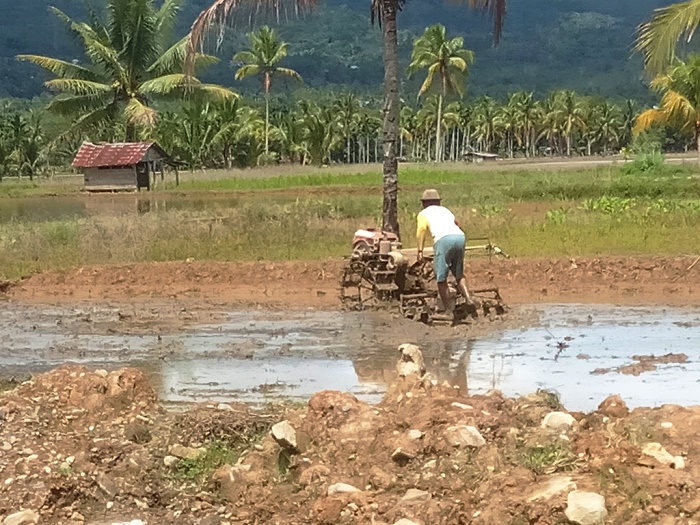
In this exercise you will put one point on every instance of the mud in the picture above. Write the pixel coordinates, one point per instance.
(80, 446)
(266, 356)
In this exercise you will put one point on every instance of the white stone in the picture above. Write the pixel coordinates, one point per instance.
(464, 436)
(666, 424)
(414, 434)
(411, 361)
(23, 517)
(342, 488)
(415, 495)
(553, 487)
(182, 452)
(659, 453)
(170, 461)
(285, 435)
(405, 521)
(558, 421)
(678, 463)
(586, 508)
(462, 406)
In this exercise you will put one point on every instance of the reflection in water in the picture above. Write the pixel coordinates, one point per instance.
(267, 356)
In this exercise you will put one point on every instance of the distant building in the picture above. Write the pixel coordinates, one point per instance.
(120, 166)
(474, 156)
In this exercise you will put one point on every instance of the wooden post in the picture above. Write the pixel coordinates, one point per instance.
(177, 176)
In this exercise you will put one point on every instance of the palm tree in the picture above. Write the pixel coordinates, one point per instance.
(680, 101)
(266, 51)
(383, 11)
(446, 61)
(571, 113)
(657, 38)
(130, 62)
(348, 106)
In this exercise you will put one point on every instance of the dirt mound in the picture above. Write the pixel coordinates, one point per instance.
(301, 284)
(426, 453)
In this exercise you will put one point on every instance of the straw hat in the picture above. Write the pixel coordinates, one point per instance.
(430, 195)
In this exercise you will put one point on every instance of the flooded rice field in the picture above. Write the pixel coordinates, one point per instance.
(583, 352)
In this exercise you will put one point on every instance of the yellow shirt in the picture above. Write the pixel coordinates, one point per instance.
(437, 220)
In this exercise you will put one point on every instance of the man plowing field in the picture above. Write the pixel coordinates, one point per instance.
(449, 243)
(380, 273)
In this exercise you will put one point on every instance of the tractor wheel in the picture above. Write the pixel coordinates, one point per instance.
(349, 282)
(366, 289)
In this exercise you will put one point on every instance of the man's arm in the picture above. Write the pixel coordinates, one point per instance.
(421, 231)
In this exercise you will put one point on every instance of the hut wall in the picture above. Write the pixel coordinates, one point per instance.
(97, 179)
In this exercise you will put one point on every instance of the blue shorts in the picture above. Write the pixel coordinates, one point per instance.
(449, 257)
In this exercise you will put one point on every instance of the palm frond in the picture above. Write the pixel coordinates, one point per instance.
(677, 107)
(79, 105)
(60, 68)
(648, 118)
(218, 93)
(248, 70)
(166, 84)
(167, 17)
(78, 87)
(233, 12)
(496, 9)
(173, 59)
(432, 72)
(288, 72)
(657, 38)
(136, 112)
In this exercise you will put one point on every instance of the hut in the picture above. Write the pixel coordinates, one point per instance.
(120, 166)
(477, 156)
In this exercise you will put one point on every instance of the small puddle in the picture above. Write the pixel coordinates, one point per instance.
(262, 357)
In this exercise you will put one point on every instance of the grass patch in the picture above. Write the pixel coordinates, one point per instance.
(548, 458)
(200, 469)
(314, 229)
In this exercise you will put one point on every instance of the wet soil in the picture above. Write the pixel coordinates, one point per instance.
(81, 446)
(302, 285)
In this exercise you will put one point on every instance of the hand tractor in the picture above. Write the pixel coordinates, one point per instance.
(380, 274)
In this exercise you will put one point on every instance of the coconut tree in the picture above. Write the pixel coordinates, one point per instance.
(447, 63)
(130, 61)
(680, 100)
(571, 109)
(385, 13)
(266, 51)
(657, 38)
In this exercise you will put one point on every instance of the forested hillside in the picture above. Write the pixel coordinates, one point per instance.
(547, 44)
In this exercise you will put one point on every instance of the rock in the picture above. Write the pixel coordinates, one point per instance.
(285, 435)
(183, 452)
(404, 521)
(23, 517)
(170, 461)
(558, 421)
(411, 361)
(380, 479)
(613, 406)
(461, 436)
(314, 474)
(666, 425)
(107, 486)
(462, 406)
(586, 508)
(660, 454)
(414, 434)
(553, 487)
(342, 488)
(415, 496)
(402, 455)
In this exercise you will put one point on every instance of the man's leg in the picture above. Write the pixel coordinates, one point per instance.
(447, 301)
(457, 268)
(440, 265)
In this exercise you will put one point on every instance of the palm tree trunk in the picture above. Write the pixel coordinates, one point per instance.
(438, 131)
(390, 211)
(347, 149)
(267, 119)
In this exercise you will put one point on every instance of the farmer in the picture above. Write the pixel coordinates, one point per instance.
(448, 246)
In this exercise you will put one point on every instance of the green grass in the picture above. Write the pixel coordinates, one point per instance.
(200, 469)
(528, 214)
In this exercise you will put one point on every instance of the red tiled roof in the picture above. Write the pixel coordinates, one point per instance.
(114, 154)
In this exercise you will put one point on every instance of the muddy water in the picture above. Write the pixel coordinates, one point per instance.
(260, 357)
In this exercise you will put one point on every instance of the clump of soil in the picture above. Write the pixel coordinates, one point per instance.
(644, 363)
(81, 446)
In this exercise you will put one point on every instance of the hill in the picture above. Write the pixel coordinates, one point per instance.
(547, 44)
